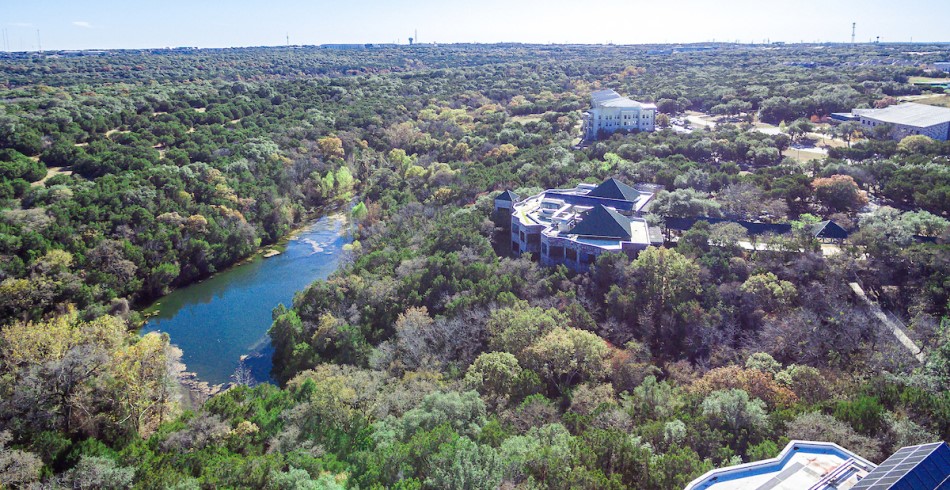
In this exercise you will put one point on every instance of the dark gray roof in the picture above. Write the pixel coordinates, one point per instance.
(507, 196)
(828, 229)
(614, 189)
(603, 222)
(923, 467)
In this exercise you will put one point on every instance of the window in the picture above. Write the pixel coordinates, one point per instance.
(572, 254)
(515, 247)
(588, 258)
(522, 236)
(557, 252)
(544, 248)
(534, 238)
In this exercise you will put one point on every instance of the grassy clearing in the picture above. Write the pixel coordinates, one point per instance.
(526, 118)
(937, 100)
(928, 80)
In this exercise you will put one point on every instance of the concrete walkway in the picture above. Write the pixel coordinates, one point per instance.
(894, 327)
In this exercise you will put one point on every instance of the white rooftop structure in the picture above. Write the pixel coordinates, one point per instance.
(909, 119)
(911, 114)
(802, 465)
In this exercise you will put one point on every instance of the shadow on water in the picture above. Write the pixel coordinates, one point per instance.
(218, 320)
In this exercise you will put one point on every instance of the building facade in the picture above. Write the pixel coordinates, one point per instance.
(908, 119)
(610, 112)
(572, 227)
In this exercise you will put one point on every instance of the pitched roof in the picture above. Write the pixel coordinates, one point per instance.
(910, 114)
(603, 222)
(507, 196)
(614, 189)
(610, 98)
(828, 229)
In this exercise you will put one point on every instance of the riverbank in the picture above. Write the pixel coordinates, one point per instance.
(219, 321)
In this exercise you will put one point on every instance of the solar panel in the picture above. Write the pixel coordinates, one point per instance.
(924, 467)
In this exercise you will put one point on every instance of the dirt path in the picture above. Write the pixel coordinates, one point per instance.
(50, 172)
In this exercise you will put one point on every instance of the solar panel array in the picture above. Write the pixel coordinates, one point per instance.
(924, 467)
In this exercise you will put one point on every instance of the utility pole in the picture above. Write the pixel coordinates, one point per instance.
(39, 45)
(288, 39)
(853, 26)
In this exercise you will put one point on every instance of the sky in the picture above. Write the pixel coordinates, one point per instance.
(110, 24)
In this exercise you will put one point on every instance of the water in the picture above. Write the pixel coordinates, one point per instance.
(218, 320)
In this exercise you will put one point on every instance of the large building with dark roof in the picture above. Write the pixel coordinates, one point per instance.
(571, 227)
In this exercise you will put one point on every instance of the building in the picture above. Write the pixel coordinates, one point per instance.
(942, 66)
(907, 120)
(825, 466)
(609, 112)
(574, 226)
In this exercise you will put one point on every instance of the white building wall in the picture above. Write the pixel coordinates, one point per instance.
(938, 132)
(612, 119)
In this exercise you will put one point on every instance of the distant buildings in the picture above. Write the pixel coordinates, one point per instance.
(574, 226)
(609, 112)
(942, 66)
(908, 119)
(826, 466)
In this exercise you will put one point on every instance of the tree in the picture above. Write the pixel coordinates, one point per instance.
(767, 292)
(816, 426)
(685, 203)
(916, 144)
(331, 147)
(566, 356)
(465, 465)
(17, 468)
(839, 193)
(659, 295)
(495, 375)
(733, 410)
(849, 131)
(514, 329)
(800, 128)
(742, 201)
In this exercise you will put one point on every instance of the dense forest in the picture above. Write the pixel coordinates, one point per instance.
(433, 358)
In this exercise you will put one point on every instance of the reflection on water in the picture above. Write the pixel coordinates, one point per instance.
(217, 321)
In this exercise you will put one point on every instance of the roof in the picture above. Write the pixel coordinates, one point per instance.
(801, 465)
(610, 98)
(507, 196)
(603, 222)
(910, 114)
(683, 224)
(828, 229)
(923, 467)
(614, 189)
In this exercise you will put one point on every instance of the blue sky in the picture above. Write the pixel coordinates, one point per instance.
(85, 24)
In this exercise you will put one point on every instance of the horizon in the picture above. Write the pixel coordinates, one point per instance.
(110, 25)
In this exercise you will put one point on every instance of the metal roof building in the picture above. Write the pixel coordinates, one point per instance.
(909, 119)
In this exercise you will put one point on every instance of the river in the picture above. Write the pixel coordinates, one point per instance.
(226, 316)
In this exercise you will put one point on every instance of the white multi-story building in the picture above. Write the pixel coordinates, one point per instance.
(611, 112)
